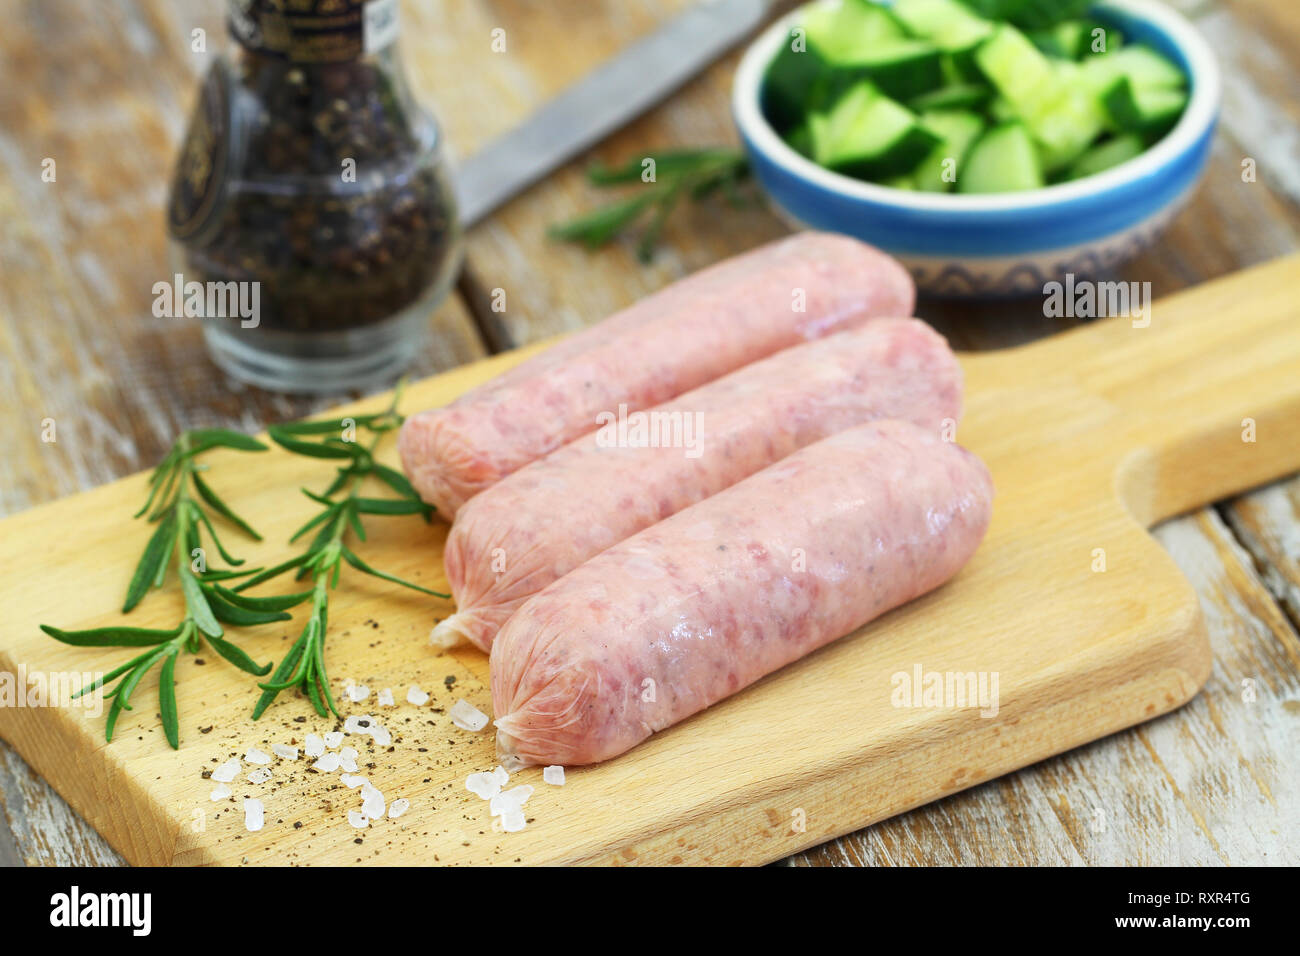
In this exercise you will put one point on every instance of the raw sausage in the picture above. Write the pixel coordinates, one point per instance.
(804, 287)
(538, 524)
(711, 599)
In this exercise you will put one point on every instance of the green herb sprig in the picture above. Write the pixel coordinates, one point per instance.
(342, 506)
(180, 500)
(696, 173)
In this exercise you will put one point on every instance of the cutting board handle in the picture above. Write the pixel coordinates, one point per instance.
(1201, 393)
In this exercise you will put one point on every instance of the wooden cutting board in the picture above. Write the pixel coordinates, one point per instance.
(1091, 436)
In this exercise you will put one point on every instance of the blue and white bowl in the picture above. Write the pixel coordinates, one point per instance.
(963, 245)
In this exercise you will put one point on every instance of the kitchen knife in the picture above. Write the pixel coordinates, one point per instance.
(605, 99)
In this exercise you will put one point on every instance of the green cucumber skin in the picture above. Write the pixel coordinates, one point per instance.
(1002, 160)
(1108, 155)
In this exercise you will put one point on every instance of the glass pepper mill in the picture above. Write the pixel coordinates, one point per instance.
(311, 180)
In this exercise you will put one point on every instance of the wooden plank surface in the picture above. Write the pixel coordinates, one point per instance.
(76, 336)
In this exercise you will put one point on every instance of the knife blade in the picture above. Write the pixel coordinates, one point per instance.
(608, 97)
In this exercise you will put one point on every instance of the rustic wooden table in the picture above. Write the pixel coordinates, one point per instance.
(104, 90)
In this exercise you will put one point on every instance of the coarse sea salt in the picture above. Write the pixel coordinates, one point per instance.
(257, 756)
(284, 751)
(484, 785)
(358, 819)
(356, 724)
(260, 775)
(313, 746)
(416, 696)
(467, 717)
(351, 781)
(398, 807)
(380, 735)
(328, 763)
(348, 759)
(372, 801)
(513, 821)
(386, 697)
(334, 738)
(554, 775)
(502, 775)
(254, 814)
(357, 692)
(219, 792)
(512, 799)
(227, 772)
(512, 763)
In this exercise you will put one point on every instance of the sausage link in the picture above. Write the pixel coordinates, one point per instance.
(804, 287)
(711, 599)
(538, 524)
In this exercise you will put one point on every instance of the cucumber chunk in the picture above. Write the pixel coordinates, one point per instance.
(869, 135)
(1144, 67)
(840, 30)
(1149, 111)
(945, 23)
(900, 68)
(955, 96)
(1077, 39)
(1002, 160)
(1100, 158)
(957, 130)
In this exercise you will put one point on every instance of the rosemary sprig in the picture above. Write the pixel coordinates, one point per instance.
(178, 496)
(342, 506)
(696, 173)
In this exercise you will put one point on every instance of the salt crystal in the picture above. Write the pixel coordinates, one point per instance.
(484, 785)
(350, 781)
(254, 814)
(386, 697)
(256, 756)
(358, 819)
(227, 772)
(398, 807)
(372, 804)
(356, 724)
(512, 799)
(313, 746)
(348, 759)
(260, 775)
(358, 692)
(501, 775)
(328, 763)
(513, 821)
(468, 717)
(334, 738)
(416, 696)
(381, 735)
(219, 792)
(554, 775)
(285, 751)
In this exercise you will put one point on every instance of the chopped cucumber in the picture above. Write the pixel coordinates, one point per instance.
(1146, 68)
(1100, 158)
(1015, 93)
(955, 96)
(945, 23)
(869, 135)
(1077, 39)
(831, 32)
(957, 130)
(1003, 160)
(1152, 112)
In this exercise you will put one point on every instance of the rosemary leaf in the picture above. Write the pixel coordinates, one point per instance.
(214, 502)
(111, 636)
(167, 701)
(152, 563)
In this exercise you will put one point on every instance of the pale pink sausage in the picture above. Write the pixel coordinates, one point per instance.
(711, 599)
(802, 287)
(541, 522)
